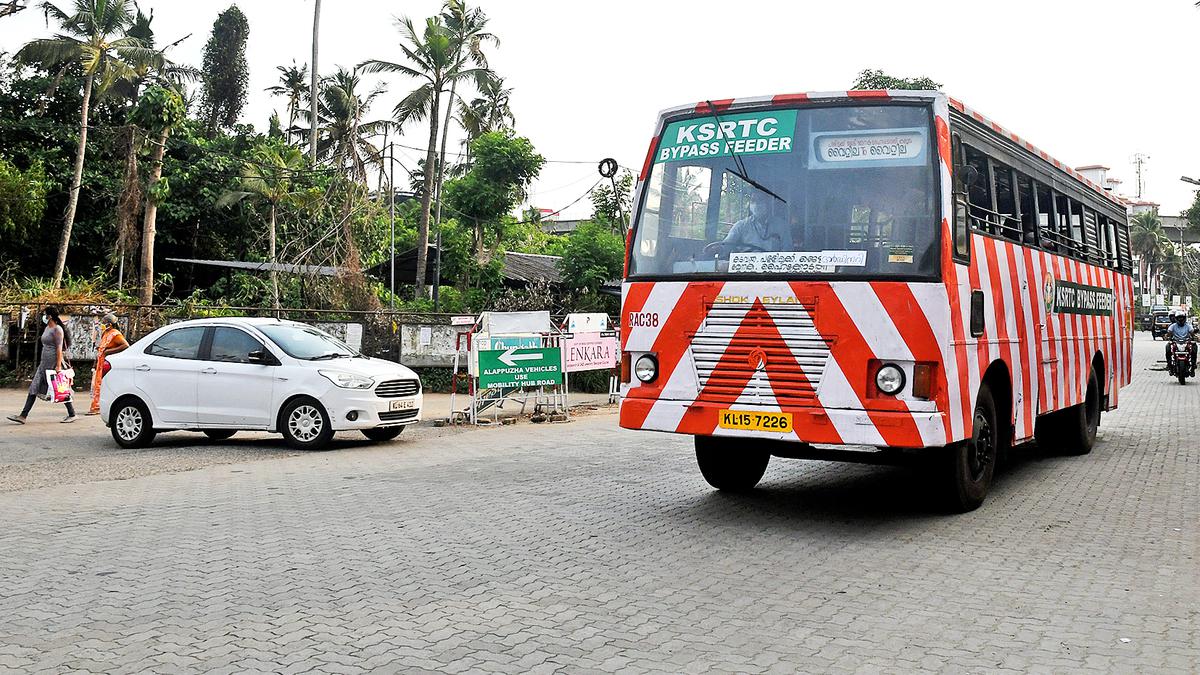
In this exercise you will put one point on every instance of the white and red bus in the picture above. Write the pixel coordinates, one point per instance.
(868, 276)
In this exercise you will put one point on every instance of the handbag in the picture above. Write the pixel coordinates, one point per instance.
(60, 385)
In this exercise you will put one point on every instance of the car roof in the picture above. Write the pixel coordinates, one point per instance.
(236, 320)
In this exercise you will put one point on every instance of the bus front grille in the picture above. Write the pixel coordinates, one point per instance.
(733, 342)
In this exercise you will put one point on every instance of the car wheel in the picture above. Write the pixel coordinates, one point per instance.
(383, 433)
(305, 424)
(131, 425)
(220, 434)
(970, 465)
(731, 464)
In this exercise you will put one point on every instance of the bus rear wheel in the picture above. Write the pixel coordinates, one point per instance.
(970, 465)
(731, 464)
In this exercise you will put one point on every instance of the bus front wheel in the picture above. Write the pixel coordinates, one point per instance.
(970, 465)
(731, 464)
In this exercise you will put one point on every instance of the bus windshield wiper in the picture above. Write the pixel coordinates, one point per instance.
(740, 172)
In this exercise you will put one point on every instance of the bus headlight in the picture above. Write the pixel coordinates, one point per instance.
(646, 368)
(890, 379)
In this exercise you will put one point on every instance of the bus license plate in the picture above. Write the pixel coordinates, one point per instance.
(403, 405)
(744, 420)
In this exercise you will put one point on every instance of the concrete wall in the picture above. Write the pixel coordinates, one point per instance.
(429, 345)
(3, 337)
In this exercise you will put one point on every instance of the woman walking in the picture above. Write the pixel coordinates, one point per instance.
(111, 342)
(55, 339)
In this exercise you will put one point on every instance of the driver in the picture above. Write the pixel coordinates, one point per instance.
(1181, 330)
(760, 231)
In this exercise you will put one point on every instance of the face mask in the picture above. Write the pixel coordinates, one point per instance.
(45, 320)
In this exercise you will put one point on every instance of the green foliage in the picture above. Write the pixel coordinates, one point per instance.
(503, 167)
(1192, 213)
(22, 201)
(159, 109)
(226, 74)
(594, 255)
(877, 79)
(612, 207)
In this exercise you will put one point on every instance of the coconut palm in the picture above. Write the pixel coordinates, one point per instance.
(433, 58)
(342, 134)
(293, 85)
(1149, 242)
(316, 68)
(489, 111)
(12, 7)
(268, 177)
(94, 37)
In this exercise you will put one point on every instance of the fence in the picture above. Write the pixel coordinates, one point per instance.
(415, 339)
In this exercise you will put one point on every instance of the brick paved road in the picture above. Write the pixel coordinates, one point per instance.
(532, 549)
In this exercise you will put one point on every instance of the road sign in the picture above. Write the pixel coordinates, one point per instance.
(513, 367)
(487, 343)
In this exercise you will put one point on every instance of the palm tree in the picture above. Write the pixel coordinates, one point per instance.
(1149, 242)
(434, 59)
(312, 91)
(268, 177)
(12, 7)
(342, 135)
(490, 111)
(292, 85)
(93, 36)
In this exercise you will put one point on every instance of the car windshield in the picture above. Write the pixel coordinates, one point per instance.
(822, 191)
(306, 342)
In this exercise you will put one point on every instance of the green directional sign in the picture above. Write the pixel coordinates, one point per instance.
(520, 367)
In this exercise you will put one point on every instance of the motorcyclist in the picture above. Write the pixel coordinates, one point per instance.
(1181, 330)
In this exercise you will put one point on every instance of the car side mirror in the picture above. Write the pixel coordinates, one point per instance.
(260, 357)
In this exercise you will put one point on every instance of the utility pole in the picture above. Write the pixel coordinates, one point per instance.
(1139, 161)
(392, 217)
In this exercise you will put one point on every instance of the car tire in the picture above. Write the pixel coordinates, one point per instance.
(731, 464)
(131, 425)
(382, 434)
(305, 424)
(220, 434)
(969, 466)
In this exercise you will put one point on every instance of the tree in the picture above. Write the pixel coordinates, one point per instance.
(612, 207)
(342, 133)
(269, 176)
(12, 7)
(432, 58)
(292, 86)
(22, 201)
(93, 36)
(489, 111)
(226, 74)
(877, 79)
(503, 169)
(1148, 241)
(312, 91)
(594, 256)
(159, 112)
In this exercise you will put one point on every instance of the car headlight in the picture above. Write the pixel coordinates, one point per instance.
(646, 368)
(347, 380)
(890, 379)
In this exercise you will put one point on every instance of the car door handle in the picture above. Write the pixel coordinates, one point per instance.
(209, 371)
(142, 368)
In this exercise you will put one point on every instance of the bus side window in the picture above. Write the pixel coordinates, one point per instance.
(961, 219)
(1046, 218)
(1005, 199)
(1029, 215)
(979, 191)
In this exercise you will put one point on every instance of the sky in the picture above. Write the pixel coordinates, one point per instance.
(1090, 82)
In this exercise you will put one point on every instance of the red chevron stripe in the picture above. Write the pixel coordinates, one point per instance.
(918, 335)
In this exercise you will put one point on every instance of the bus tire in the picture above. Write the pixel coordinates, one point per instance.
(729, 464)
(970, 465)
(1080, 422)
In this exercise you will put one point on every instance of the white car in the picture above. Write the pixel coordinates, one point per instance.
(221, 376)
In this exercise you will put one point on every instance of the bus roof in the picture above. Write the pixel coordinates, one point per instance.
(721, 105)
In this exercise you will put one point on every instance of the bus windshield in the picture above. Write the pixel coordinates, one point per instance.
(838, 191)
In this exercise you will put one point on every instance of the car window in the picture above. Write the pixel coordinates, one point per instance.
(183, 343)
(231, 345)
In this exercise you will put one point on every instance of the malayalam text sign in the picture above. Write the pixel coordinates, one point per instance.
(591, 351)
(508, 368)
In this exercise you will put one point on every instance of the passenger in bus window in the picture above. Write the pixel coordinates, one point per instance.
(762, 230)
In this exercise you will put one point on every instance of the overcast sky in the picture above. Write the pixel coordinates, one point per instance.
(1091, 82)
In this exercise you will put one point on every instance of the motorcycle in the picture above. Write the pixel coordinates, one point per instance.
(1181, 361)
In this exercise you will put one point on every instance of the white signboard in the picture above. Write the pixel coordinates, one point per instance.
(590, 351)
(1146, 299)
(1175, 300)
(795, 262)
(514, 323)
(587, 323)
(462, 321)
(1159, 300)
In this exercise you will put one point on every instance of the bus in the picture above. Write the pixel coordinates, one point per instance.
(871, 276)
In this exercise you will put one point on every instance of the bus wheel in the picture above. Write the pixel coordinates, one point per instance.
(730, 464)
(1079, 423)
(970, 465)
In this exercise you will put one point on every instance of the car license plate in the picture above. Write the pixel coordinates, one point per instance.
(746, 420)
(403, 405)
